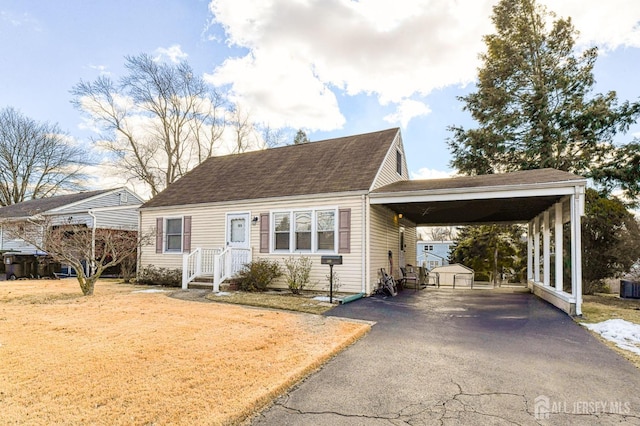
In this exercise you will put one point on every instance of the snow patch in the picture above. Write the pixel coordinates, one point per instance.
(151, 290)
(625, 334)
(326, 298)
(222, 293)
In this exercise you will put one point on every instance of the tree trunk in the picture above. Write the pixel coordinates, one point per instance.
(87, 284)
(495, 265)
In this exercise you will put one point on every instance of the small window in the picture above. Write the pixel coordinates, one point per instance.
(399, 162)
(173, 235)
(325, 227)
(303, 231)
(282, 229)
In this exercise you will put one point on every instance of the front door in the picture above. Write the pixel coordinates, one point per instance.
(238, 230)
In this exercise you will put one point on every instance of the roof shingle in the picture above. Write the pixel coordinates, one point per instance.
(331, 166)
(41, 205)
(524, 177)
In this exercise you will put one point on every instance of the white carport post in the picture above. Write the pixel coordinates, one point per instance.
(530, 252)
(536, 249)
(577, 210)
(546, 250)
(558, 247)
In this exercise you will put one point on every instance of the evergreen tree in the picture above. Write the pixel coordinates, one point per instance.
(300, 138)
(535, 108)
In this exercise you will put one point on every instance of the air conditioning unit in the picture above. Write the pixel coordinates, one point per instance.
(629, 289)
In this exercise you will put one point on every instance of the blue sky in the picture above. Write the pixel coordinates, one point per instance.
(332, 67)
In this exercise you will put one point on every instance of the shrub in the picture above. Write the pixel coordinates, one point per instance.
(592, 287)
(160, 276)
(297, 271)
(336, 281)
(257, 275)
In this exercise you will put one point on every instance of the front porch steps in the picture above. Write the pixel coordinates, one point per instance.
(206, 283)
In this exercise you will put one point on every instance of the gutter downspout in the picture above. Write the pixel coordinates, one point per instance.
(92, 267)
(364, 245)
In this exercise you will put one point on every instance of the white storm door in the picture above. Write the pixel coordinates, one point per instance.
(238, 230)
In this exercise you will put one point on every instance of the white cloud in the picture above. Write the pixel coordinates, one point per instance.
(607, 24)
(425, 173)
(302, 53)
(280, 89)
(102, 69)
(25, 20)
(407, 109)
(174, 53)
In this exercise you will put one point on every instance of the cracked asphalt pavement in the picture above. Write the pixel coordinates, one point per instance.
(464, 357)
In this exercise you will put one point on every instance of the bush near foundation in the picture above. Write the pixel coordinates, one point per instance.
(297, 272)
(160, 276)
(257, 275)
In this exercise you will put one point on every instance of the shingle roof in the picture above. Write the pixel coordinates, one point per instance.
(524, 177)
(335, 165)
(41, 205)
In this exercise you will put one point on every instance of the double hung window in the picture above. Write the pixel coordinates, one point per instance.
(311, 230)
(173, 235)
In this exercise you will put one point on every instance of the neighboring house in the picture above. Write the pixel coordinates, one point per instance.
(309, 199)
(432, 254)
(104, 209)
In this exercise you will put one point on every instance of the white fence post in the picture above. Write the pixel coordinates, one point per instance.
(185, 271)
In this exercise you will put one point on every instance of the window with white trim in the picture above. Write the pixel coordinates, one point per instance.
(302, 225)
(282, 229)
(304, 231)
(173, 235)
(326, 229)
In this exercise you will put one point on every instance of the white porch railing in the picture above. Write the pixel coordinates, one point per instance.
(221, 264)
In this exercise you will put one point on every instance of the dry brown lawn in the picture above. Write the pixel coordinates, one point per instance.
(139, 358)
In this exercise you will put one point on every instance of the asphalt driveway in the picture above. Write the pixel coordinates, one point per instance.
(476, 357)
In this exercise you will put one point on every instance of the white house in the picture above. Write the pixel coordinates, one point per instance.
(101, 209)
(348, 197)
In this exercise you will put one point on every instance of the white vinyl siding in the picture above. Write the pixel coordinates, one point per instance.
(384, 236)
(208, 231)
(108, 199)
(389, 171)
(117, 218)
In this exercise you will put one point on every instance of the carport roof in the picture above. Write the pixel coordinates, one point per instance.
(508, 197)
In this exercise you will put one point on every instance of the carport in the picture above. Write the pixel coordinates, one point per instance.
(549, 201)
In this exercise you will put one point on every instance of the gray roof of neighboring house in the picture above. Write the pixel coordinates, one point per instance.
(524, 177)
(336, 165)
(42, 205)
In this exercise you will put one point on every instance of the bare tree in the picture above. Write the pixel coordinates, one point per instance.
(36, 159)
(442, 233)
(273, 137)
(160, 120)
(88, 250)
(244, 133)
